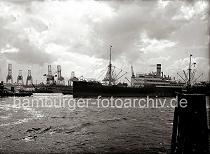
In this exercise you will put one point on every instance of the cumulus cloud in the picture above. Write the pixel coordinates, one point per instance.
(19, 31)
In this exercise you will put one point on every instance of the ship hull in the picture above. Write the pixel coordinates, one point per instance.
(5, 92)
(91, 89)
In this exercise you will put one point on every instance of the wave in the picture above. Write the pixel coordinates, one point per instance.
(36, 114)
(8, 108)
(112, 120)
(83, 125)
(6, 116)
(20, 121)
(15, 108)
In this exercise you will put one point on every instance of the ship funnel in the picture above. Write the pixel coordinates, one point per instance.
(158, 70)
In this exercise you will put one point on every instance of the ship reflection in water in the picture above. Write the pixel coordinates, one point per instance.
(90, 130)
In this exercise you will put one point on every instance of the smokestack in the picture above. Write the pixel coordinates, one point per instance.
(158, 70)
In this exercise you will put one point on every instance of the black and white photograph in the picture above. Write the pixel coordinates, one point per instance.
(104, 76)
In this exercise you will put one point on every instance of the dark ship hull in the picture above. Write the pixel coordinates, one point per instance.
(95, 89)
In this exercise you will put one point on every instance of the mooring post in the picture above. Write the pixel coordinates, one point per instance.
(174, 131)
(190, 130)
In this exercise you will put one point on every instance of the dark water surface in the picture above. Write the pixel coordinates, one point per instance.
(84, 130)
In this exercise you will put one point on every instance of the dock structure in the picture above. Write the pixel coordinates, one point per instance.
(60, 79)
(190, 126)
(20, 78)
(208, 116)
(29, 79)
(72, 78)
(50, 77)
(9, 78)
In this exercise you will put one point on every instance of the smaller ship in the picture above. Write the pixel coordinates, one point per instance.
(7, 92)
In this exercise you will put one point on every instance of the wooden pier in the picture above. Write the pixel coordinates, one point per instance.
(208, 116)
(191, 125)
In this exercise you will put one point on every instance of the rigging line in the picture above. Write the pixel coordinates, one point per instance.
(103, 69)
(198, 77)
(120, 69)
(185, 74)
(113, 71)
(115, 76)
(181, 77)
(101, 73)
(101, 77)
(122, 75)
(117, 68)
(128, 80)
(193, 74)
(119, 73)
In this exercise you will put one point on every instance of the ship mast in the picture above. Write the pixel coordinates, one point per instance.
(189, 78)
(110, 66)
(110, 77)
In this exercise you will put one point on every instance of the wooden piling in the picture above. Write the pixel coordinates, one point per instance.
(190, 130)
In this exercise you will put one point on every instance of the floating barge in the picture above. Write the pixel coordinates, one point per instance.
(5, 92)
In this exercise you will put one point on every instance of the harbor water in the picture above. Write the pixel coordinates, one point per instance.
(92, 129)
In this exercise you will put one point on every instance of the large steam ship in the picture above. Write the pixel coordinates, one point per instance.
(151, 84)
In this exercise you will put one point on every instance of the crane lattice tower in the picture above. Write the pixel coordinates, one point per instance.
(20, 78)
(29, 80)
(60, 79)
(9, 78)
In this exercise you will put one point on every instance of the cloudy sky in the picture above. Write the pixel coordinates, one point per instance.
(77, 34)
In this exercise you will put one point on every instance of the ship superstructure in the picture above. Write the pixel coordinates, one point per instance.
(155, 78)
